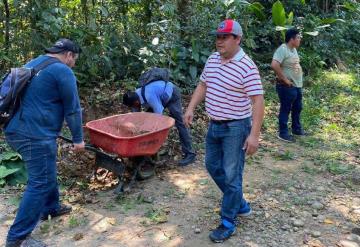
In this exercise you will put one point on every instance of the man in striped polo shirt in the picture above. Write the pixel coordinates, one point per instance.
(231, 86)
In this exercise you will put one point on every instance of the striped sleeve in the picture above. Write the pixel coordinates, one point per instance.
(252, 82)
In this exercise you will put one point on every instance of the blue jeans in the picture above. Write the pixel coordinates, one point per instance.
(175, 109)
(225, 160)
(290, 101)
(41, 195)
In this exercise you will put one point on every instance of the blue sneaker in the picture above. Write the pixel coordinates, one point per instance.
(222, 232)
(245, 211)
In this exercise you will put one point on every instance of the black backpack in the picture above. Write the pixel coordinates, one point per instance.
(12, 87)
(154, 74)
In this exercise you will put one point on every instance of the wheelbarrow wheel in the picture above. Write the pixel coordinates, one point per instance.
(146, 169)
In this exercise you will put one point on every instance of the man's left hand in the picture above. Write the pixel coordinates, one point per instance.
(79, 147)
(251, 145)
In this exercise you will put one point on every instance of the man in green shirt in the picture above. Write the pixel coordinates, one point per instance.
(286, 64)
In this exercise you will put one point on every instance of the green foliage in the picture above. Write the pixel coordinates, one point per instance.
(12, 169)
(157, 216)
(278, 14)
(122, 38)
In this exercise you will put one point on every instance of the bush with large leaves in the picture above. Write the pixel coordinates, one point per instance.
(12, 169)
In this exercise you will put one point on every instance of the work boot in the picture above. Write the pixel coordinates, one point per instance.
(187, 160)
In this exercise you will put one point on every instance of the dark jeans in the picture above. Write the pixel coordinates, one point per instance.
(41, 195)
(290, 101)
(225, 160)
(175, 109)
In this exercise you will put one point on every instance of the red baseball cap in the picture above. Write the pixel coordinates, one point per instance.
(229, 26)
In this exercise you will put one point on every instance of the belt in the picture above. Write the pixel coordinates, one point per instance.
(223, 121)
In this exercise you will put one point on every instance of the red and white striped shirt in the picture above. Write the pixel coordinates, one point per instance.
(229, 85)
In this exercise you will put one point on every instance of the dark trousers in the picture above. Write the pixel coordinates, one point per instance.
(41, 195)
(290, 101)
(175, 109)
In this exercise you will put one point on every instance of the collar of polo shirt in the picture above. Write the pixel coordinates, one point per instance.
(239, 55)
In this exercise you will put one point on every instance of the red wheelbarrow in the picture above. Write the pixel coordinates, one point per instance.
(117, 149)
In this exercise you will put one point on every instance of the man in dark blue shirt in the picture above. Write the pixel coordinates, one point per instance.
(160, 95)
(50, 97)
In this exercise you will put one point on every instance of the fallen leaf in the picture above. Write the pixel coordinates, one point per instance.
(329, 221)
(78, 236)
(111, 221)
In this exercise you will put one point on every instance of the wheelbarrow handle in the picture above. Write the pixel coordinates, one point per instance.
(87, 146)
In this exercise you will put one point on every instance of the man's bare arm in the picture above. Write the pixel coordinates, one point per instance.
(197, 97)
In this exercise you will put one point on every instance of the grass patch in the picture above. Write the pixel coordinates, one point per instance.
(73, 222)
(286, 155)
(173, 193)
(128, 203)
(110, 206)
(299, 201)
(332, 161)
(310, 170)
(157, 216)
(337, 168)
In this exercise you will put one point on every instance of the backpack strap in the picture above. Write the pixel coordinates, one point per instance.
(143, 91)
(44, 64)
(37, 69)
(143, 94)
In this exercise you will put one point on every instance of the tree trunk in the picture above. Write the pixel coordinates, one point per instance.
(184, 13)
(101, 21)
(7, 25)
(147, 11)
(85, 10)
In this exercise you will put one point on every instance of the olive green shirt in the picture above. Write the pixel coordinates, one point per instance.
(290, 64)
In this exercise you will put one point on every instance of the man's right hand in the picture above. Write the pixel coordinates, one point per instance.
(78, 147)
(188, 117)
(288, 83)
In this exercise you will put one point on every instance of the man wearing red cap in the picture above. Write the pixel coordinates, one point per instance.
(231, 86)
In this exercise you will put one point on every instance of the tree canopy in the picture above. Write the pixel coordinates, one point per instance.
(120, 38)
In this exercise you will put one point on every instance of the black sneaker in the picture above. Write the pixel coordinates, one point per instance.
(28, 242)
(16, 243)
(61, 211)
(221, 233)
(299, 132)
(31, 242)
(286, 138)
(187, 160)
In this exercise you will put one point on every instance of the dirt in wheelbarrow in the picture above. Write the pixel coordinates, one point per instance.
(296, 202)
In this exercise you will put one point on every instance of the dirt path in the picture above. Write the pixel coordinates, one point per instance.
(295, 203)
